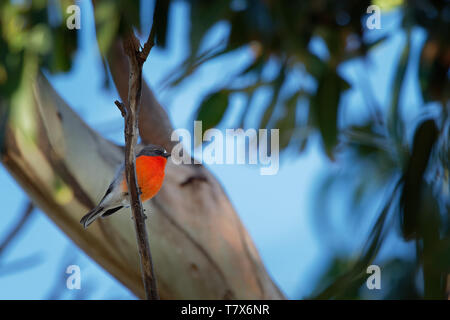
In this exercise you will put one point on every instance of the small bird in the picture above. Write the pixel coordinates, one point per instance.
(150, 164)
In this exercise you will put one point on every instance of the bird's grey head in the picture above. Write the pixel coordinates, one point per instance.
(154, 150)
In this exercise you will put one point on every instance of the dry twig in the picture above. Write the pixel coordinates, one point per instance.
(130, 111)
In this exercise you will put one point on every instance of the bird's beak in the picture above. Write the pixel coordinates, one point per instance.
(166, 155)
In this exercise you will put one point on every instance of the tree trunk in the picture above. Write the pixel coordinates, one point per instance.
(200, 248)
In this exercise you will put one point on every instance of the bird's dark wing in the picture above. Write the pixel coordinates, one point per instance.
(111, 211)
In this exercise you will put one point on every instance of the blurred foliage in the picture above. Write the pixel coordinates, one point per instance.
(372, 156)
(33, 32)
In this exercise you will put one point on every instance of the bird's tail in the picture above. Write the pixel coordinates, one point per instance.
(90, 217)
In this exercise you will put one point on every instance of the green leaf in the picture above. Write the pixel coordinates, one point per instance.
(11, 71)
(107, 20)
(313, 64)
(65, 44)
(424, 139)
(429, 224)
(4, 117)
(213, 108)
(204, 14)
(130, 11)
(287, 123)
(278, 83)
(325, 105)
(433, 70)
(39, 39)
(160, 20)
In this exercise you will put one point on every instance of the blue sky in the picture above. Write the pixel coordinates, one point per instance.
(277, 210)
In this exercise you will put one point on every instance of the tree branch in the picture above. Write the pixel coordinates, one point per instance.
(29, 208)
(136, 59)
(122, 108)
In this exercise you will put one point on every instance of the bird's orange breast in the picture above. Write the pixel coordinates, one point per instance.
(150, 175)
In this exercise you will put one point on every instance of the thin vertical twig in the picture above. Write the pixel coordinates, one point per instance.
(130, 112)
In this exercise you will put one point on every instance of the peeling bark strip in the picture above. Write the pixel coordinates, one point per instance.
(136, 59)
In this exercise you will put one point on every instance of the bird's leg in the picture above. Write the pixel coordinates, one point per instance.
(143, 209)
(143, 213)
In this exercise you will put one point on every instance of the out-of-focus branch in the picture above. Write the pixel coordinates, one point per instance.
(130, 111)
(21, 264)
(28, 210)
(59, 285)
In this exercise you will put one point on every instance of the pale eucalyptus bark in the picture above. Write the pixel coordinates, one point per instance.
(130, 112)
